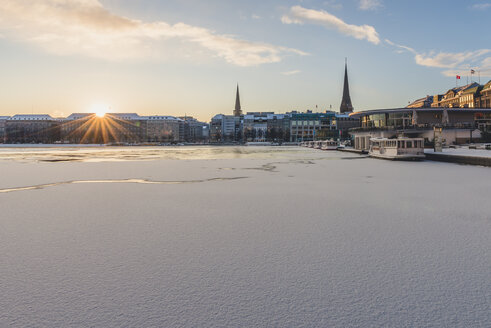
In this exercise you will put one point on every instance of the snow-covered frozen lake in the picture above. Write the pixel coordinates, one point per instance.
(240, 237)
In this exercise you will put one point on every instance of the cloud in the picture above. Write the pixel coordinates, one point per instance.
(447, 59)
(300, 15)
(369, 4)
(486, 62)
(481, 6)
(401, 47)
(457, 63)
(482, 68)
(85, 27)
(291, 72)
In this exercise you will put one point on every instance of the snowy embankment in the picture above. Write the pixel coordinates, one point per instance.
(462, 152)
(242, 237)
(461, 156)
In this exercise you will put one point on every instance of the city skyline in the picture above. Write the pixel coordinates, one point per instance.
(185, 57)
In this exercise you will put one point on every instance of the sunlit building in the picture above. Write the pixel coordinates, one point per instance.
(468, 96)
(422, 102)
(472, 95)
(484, 98)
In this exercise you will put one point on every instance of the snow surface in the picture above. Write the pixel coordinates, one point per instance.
(463, 152)
(302, 238)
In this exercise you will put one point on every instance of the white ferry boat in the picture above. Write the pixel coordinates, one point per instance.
(397, 149)
(310, 144)
(317, 144)
(329, 145)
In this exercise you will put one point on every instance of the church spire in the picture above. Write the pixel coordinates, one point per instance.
(237, 111)
(346, 105)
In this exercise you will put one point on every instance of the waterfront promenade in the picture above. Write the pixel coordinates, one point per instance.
(241, 237)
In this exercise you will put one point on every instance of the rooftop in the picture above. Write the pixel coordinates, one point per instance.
(33, 117)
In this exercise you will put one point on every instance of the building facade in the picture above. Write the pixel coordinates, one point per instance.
(312, 126)
(484, 98)
(460, 125)
(32, 129)
(422, 102)
(113, 128)
(3, 121)
(161, 129)
(472, 95)
(78, 129)
(193, 130)
(226, 128)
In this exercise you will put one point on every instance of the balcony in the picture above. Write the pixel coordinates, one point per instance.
(415, 127)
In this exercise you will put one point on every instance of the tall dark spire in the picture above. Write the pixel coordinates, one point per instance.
(346, 105)
(237, 111)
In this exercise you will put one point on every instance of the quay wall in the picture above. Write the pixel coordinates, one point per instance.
(460, 159)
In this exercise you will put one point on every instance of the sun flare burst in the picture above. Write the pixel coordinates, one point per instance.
(99, 110)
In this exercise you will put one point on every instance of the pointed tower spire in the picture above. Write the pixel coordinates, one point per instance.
(346, 105)
(237, 111)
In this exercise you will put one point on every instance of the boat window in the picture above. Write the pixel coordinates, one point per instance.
(409, 144)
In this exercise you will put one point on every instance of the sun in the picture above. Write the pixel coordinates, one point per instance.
(99, 110)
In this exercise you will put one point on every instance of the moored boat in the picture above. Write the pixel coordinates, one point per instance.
(329, 145)
(397, 149)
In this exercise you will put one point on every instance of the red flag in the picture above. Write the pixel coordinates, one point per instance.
(457, 77)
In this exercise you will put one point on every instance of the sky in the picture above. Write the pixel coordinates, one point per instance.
(185, 57)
